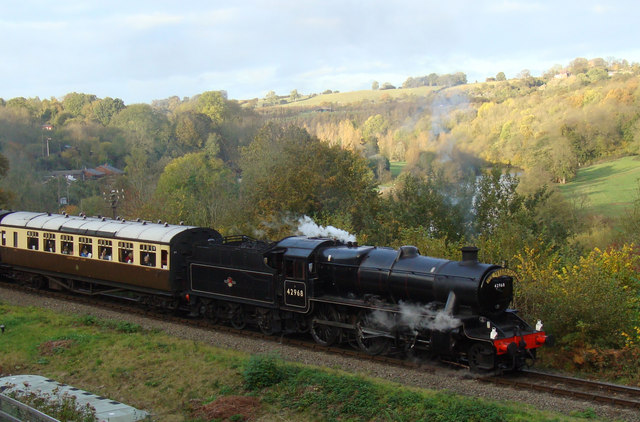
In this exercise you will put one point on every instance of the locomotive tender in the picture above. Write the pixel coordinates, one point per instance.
(379, 299)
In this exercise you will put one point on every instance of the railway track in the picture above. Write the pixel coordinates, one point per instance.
(591, 391)
(586, 390)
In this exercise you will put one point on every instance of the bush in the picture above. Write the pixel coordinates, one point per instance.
(592, 301)
(264, 371)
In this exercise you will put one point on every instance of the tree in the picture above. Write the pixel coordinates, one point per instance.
(197, 189)
(105, 109)
(495, 200)
(578, 65)
(294, 95)
(597, 74)
(432, 79)
(375, 85)
(144, 127)
(430, 203)
(500, 76)
(213, 105)
(287, 171)
(271, 98)
(191, 131)
(374, 127)
(75, 103)
(5, 195)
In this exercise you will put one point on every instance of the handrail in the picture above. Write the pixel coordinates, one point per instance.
(14, 411)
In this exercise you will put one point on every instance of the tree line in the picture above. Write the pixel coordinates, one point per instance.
(481, 163)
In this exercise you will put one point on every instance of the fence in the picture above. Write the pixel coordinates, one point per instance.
(13, 411)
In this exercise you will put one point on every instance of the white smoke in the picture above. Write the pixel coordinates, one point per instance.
(307, 227)
(417, 318)
(420, 317)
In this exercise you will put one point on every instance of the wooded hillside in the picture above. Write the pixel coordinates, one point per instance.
(483, 161)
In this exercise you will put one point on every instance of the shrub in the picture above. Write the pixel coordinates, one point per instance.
(593, 301)
(264, 371)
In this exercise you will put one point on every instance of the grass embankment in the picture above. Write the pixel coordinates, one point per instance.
(609, 188)
(180, 380)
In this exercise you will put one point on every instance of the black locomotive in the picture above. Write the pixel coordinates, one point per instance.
(378, 299)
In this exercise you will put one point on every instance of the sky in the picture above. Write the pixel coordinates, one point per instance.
(140, 51)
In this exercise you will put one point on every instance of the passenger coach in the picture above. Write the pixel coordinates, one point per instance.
(95, 255)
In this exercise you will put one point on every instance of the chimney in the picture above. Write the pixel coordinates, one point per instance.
(469, 255)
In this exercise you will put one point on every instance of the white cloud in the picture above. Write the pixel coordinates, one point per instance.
(145, 50)
(149, 20)
(514, 6)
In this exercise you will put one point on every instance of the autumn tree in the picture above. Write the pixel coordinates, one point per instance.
(213, 105)
(286, 171)
(197, 189)
(429, 203)
(271, 98)
(191, 131)
(578, 65)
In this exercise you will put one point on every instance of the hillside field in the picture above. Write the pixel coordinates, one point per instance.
(609, 188)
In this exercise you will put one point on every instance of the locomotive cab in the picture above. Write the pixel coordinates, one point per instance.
(295, 260)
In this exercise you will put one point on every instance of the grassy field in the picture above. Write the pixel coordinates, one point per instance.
(181, 380)
(363, 95)
(396, 168)
(608, 188)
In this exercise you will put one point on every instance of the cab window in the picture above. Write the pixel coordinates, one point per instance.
(294, 268)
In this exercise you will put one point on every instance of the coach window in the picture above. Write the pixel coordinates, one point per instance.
(66, 243)
(32, 240)
(105, 251)
(4, 238)
(15, 239)
(164, 258)
(85, 247)
(125, 252)
(148, 255)
(49, 242)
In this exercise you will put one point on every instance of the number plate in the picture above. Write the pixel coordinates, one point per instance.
(295, 294)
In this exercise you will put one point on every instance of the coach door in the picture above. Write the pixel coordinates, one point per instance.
(295, 284)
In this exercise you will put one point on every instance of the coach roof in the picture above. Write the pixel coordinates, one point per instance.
(94, 226)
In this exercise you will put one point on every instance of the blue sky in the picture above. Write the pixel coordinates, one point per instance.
(144, 50)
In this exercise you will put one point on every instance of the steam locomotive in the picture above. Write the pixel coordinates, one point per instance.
(378, 299)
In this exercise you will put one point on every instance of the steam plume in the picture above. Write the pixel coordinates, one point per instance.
(417, 318)
(307, 227)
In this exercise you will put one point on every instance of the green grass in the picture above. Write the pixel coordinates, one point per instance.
(363, 95)
(174, 378)
(396, 168)
(608, 188)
